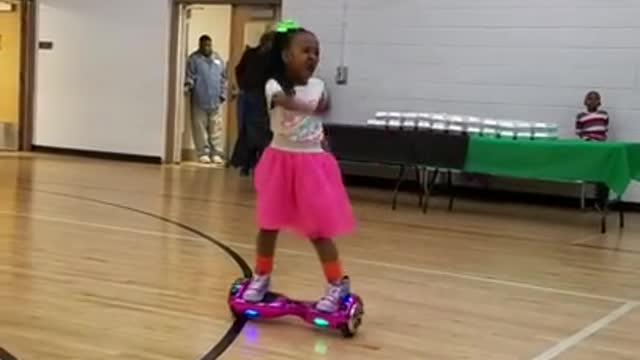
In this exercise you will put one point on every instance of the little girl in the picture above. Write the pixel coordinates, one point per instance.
(299, 185)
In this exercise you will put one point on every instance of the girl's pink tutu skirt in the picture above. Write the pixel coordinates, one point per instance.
(302, 192)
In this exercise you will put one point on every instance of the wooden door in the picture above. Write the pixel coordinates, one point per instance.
(10, 35)
(248, 23)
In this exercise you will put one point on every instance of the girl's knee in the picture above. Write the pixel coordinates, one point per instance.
(267, 236)
(321, 240)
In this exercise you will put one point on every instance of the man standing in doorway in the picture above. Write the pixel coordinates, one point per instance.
(206, 83)
(254, 134)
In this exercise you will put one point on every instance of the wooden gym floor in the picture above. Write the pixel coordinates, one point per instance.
(110, 260)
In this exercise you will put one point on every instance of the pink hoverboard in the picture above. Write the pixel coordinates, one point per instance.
(347, 318)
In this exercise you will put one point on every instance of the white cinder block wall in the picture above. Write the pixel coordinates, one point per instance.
(103, 86)
(509, 59)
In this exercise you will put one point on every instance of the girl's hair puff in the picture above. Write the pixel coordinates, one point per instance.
(276, 68)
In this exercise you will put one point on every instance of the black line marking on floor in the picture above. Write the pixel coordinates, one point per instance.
(234, 330)
(5, 355)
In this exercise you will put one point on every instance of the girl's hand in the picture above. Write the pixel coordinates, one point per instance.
(325, 145)
(323, 104)
(325, 141)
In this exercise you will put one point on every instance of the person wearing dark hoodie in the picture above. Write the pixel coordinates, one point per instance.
(254, 134)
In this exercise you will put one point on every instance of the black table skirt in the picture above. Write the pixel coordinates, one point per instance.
(397, 147)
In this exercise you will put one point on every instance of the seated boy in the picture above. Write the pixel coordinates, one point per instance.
(593, 125)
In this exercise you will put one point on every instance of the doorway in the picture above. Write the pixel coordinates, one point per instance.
(215, 22)
(17, 66)
(232, 25)
(10, 40)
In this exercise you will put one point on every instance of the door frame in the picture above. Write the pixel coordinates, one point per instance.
(28, 26)
(171, 126)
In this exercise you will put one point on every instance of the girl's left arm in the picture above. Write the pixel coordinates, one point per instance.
(323, 104)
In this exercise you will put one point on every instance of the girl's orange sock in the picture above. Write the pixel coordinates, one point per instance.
(264, 265)
(333, 271)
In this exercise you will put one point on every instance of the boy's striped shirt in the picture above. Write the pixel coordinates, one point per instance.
(592, 126)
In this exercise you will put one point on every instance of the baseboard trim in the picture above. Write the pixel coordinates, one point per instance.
(98, 154)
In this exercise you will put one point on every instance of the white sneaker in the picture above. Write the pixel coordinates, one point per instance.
(330, 302)
(218, 160)
(257, 289)
(204, 159)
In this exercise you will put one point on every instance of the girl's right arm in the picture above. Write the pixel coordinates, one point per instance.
(289, 102)
(276, 96)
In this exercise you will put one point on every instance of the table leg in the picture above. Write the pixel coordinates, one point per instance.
(432, 181)
(419, 180)
(583, 195)
(621, 213)
(426, 190)
(397, 189)
(450, 189)
(603, 216)
(429, 184)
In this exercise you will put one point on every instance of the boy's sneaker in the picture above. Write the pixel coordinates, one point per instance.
(330, 302)
(257, 288)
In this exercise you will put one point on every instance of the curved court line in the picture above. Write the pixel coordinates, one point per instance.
(5, 355)
(485, 278)
(234, 330)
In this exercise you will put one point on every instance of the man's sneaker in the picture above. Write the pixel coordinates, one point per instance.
(330, 302)
(205, 159)
(257, 289)
(217, 160)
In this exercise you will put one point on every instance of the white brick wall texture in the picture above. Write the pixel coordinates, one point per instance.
(506, 59)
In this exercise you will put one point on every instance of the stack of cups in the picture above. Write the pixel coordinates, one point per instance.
(524, 130)
(473, 125)
(455, 124)
(380, 120)
(545, 131)
(395, 121)
(409, 121)
(439, 122)
(424, 121)
(489, 127)
(506, 129)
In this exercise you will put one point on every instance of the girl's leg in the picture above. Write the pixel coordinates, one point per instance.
(339, 285)
(261, 281)
(328, 254)
(266, 248)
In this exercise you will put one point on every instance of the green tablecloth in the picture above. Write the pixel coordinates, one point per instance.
(613, 163)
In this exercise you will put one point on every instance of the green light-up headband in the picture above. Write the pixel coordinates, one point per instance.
(285, 26)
